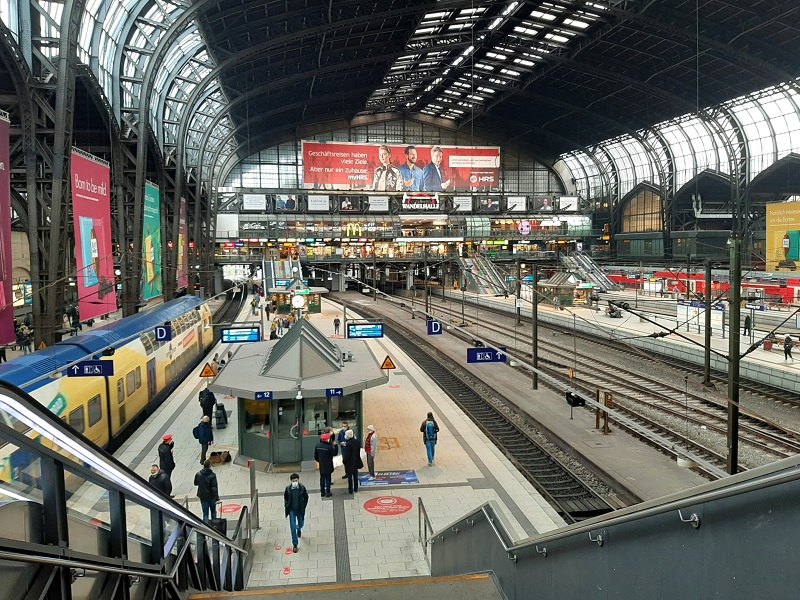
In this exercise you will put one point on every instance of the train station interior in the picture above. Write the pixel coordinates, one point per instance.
(176, 174)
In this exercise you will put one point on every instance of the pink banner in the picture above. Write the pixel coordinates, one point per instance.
(183, 248)
(6, 282)
(91, 216)
(401, 168)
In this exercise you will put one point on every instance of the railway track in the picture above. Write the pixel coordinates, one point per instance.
(686, 418)
(561, 487)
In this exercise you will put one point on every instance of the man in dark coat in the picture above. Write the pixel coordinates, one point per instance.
(323, 454)
(341, 443)
(353, 461)
(208, 492)
(205, 435)
(160, 481)
(166, 460)
(295, 500)
(207, 402)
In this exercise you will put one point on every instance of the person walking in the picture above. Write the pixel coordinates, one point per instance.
(788, 344)
(340, 441)
(166, 458)
(207, 490)
(336, 324)
(747, 323)
(207, 403)
(295, 500)
(205, 435)
(430, 434)
(371, 448)
(323, 454)
(159, 480)
(353, 462)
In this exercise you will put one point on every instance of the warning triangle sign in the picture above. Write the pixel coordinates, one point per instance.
(42, 345)
(208, 371)
(387, 363)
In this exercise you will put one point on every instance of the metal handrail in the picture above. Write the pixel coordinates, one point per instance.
(76, 564)
(422, 517)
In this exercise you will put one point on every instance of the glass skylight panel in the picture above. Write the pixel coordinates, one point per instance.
(544, 16)
(511, 72)
(576, 23)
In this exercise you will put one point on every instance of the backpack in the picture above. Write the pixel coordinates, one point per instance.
(430, 431)
(196, 432)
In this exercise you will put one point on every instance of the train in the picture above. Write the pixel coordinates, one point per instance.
(106, 409)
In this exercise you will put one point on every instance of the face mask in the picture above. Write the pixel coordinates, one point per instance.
(153, 472)
(295, 484)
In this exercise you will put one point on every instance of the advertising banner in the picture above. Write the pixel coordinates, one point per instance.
(543, 204)
(254, 202)
(420, 201)
(400, 167)
(91, 216)
(378, 204)
(516, 204)
(783, 236)
(6, 284)
(568, 203)
(286, 202)
(462, 203)
(319, 203)
(182, 272)
(151, 243)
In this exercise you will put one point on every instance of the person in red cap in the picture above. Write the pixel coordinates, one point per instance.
(323, 454)
(166, 460)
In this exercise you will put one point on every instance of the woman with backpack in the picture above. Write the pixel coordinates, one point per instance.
(430, 432)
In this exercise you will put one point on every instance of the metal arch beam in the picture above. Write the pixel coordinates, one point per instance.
(177, 27)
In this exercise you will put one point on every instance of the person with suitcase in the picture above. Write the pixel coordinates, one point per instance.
(207, 403)
(295, 500)
(205, 435)
(207, 490)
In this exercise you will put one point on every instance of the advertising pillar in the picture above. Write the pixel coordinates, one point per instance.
(6, 283)
(152, 286)
(91, 216)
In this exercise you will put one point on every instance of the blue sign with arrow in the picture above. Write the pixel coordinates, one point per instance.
(92, 368)
(263, 395)
(334, 392)
(485, 355)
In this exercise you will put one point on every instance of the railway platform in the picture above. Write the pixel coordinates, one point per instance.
(370, 535)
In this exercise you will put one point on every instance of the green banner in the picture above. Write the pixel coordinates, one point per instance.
(151, 243)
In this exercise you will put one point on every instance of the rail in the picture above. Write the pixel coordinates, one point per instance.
(424, 528)
(181, 548)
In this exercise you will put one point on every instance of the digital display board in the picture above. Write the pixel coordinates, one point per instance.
(235, 335)
(365, 330)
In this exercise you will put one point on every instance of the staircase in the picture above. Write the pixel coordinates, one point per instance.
(478, 586)
(482, 276)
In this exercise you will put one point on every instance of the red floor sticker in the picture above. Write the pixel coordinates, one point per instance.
(288, 551)
(230, 508)
(278, 548)
(388, 506)
(394, 387)
(287, 570)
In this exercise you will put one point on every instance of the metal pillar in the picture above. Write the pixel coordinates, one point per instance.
(425, 275)
(535, 325)
(519, 290)
(707, 357)
(733, 355)
(54, 520)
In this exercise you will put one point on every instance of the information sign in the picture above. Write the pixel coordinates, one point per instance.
(485, 355)
(233, 335)
(435, 327)
(334, 392)
(263, 395)
(365, 330)
(92, 368)
(163, 333)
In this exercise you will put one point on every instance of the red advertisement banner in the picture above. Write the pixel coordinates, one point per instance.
(6, 281)
(91, 216)
(182, 273)
(400, 167)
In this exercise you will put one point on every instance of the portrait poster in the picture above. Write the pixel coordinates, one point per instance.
(543, 204)
(151, 243)
(7, 335)
(182, 272)
(91, 214)
(319, 203)
(349, 204)
(400, 167)
(490, 204)
(287, 202)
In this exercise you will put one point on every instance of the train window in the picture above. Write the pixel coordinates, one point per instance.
(138, 377)
(130, 383)
(120, 392)
(76, 420)
(95, 410)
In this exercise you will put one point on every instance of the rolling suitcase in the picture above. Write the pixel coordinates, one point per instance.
(219, 523)
(221, 416)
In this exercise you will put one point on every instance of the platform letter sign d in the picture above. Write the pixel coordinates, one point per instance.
(435, 327)
(163, 333)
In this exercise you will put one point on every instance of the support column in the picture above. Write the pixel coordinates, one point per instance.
(707, 357)
(535, 325)
(733, 355)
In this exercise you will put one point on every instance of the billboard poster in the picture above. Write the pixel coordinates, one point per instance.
(182, 272)
(783, 236)
(543, 204)
(489, 204)
(319, 203)
(420, 201)
(568, 203)
(6, 284)
(400, 167)
(151, 243)
(254, 202)
(349, 204)
(286, 202)
(516, 204)
(462, 203)
(91, 216)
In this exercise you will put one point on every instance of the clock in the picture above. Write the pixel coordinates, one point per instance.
(298, 301)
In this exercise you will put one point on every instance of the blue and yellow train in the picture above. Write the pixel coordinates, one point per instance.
(105, 409)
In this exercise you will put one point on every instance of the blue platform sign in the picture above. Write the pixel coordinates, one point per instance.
(334, 392)
(485, 355)
(92, 368)
(364, 330)
(163, 333)
(435, 327)
(263, 395)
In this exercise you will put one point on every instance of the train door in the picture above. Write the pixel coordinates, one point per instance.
(151, 379)
(121, 402)
(200, 344)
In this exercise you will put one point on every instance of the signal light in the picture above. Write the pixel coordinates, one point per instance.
(574, 400)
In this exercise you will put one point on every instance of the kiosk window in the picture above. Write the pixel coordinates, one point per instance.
(315, 416)
(344, 409)
(256, 415)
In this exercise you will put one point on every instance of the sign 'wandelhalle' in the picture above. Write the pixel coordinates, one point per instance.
(420, 201)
